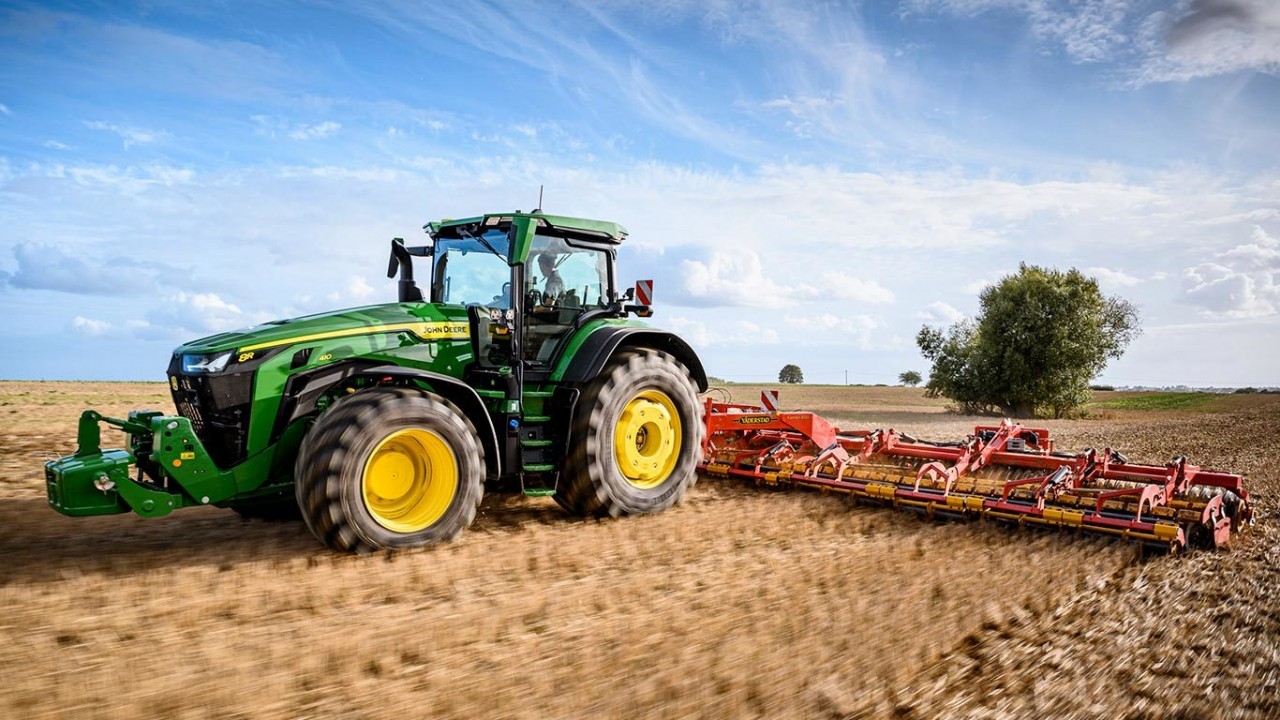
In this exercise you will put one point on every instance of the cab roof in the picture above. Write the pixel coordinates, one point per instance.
(598, 230)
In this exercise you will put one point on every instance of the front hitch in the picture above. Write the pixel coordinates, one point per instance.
(93, 481)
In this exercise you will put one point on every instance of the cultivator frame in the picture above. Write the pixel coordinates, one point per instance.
(1005, 472)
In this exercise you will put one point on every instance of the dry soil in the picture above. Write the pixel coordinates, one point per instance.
(738, 603)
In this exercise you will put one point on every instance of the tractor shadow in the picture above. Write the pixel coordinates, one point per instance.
(513, 513)
(39, 545)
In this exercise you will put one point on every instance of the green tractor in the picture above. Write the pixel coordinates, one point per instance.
(521, 369)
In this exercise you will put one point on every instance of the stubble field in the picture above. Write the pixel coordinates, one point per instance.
(738, 603)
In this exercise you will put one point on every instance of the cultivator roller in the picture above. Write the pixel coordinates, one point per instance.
(1005, 472)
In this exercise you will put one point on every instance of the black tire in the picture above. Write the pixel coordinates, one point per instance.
(592, 483)
(281, 509)
(330, 483)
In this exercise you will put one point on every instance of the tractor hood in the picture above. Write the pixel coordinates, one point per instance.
(425, 321)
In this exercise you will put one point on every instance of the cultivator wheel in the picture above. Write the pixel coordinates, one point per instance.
(1006, 472)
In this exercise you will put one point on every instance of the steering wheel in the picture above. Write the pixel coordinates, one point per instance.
(502, 299)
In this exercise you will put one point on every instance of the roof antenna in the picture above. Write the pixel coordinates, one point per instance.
(539, 208)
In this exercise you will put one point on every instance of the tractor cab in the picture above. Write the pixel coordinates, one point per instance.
(527, 279)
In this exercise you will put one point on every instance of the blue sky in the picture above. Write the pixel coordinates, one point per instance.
(805, 182)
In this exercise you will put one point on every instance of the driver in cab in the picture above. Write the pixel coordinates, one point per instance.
(553, 285)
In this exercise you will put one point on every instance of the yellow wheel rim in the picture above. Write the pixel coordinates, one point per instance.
(409, 480)
(646, 440)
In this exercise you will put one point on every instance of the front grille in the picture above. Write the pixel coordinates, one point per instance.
(218, 408)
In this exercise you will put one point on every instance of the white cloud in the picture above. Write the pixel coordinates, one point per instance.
(731, 279)
(805, 113)
(750, 333)
(833, 286)
(88, 326)
(695, 331)
(131, 135)
(824, 328)
(359, 289)
(1200, 38)
(186, 316)
(55, 145)
(1215, 37)
(736, 333)
(739, 278)
(1088, 30)
(315, 132)
(335, 172)
(1261, 254)
(1240, 283)
(42, 266)
(828, 328)
(940, 313)
(1259, 215)
(1112, 278)
(130, 180)
(4, 109)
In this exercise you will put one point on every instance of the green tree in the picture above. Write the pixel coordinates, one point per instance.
(1040, 337)
(791, 374)
(910, 378)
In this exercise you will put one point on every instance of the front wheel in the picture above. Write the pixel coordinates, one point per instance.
(634, 440)
(389, 468)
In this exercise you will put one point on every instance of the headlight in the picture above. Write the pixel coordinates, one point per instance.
(204, 364)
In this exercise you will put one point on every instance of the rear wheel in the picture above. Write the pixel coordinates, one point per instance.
(389, 468)
(634, 440)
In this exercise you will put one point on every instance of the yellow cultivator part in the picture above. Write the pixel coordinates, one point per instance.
(1004, 472)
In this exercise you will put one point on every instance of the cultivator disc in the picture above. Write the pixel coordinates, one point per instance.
(1004, 472)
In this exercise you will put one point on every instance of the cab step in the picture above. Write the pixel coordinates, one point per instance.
(539, 492)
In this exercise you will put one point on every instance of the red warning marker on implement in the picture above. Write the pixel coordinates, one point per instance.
(769, 400)
(644, 292)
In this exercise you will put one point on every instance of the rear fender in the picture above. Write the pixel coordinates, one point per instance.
(595, 352)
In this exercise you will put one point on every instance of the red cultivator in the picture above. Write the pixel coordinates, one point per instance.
(1004, 472)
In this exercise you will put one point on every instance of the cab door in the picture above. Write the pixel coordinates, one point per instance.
(563, 281)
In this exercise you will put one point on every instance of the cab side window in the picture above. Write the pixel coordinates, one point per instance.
(561, 283)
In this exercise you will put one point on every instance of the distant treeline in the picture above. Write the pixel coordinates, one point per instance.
(1185, 389)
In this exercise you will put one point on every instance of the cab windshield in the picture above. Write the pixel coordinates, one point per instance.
(472, 270)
